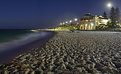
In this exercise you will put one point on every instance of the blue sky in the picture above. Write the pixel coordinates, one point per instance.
(47, 13)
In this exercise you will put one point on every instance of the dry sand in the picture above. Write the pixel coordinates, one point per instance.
(67, 52)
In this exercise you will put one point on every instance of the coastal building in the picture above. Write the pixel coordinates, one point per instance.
(120, 21)
(89, 22)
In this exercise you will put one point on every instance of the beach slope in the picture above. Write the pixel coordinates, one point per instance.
(71, 52)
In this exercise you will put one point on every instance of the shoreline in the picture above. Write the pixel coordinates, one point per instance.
(14, 52)
(71, 52)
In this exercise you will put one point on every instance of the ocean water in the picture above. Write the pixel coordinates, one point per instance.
(14, 38)
(16, 42)
(9, 35)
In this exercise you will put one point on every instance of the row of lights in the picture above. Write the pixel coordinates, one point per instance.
(69, 21)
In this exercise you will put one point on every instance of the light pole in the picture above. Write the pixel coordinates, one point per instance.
(70, 22)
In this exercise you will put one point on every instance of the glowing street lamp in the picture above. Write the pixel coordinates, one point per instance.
(70, 21)
(75, 19)
(66, 22)
(61, 23)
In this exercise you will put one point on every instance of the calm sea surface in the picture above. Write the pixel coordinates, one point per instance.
(9, 35)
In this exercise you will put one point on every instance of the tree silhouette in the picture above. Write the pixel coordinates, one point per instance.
(117, 14)
(104, 15)
(113, 17)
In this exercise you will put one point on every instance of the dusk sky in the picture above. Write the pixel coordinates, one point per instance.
(47, 13)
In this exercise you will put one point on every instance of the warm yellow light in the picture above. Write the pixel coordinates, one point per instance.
(86, 20)
(35, 30)
(105, 21)
(92, 24)
(86, 25)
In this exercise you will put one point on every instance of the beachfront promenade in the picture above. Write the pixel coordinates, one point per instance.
(72, 52)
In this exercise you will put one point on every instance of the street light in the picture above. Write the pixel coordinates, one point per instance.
(75, 19)
(67, 22)
(61, 23)
(70, 21)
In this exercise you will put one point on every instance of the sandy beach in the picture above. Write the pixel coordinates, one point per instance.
(71, 53)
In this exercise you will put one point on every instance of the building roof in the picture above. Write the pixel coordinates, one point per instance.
(101, 17)
(87, 17)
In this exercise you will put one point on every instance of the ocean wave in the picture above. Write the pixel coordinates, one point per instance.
(28, 38)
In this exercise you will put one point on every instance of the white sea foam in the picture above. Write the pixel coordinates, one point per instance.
(28, 38)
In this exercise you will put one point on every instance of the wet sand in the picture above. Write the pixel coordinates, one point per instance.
(67, 52)
(11, 53)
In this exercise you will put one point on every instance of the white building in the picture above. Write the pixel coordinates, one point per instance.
(89, 22)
